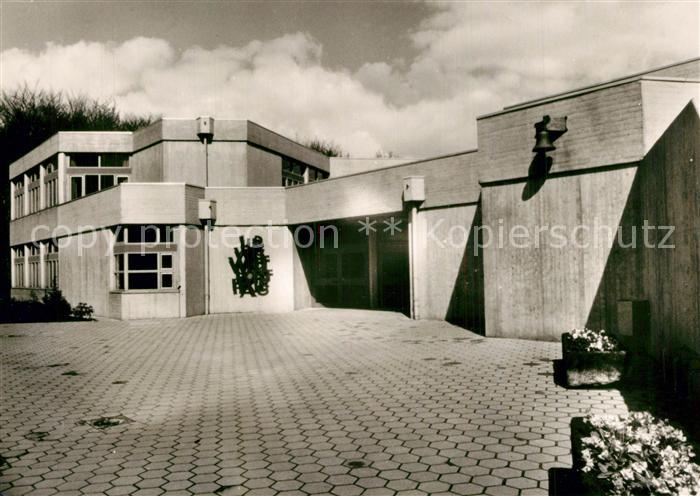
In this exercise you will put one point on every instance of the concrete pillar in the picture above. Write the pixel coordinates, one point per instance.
(12, 267)
(25, 196)
(42, 265)
(180, 237)
(417, 259)
(25, 266)
(42, 187)
(61, 180)
(12, 200)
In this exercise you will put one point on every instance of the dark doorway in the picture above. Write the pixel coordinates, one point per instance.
(393, 282)
(342, 266)
(357, 269)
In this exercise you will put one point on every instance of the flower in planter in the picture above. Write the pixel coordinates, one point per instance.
(592, 341)
(638, 454)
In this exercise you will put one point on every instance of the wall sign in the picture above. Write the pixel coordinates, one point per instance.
(250, 268)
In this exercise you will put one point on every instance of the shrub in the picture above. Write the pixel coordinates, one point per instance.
(55, 305)
(83, 311)
(638, 454)
(592, 341)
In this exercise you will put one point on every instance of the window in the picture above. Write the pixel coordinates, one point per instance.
(84, 160)
(92, 184)
(138, 271)
(114, 160)
(18, 255)
(76, 187)
(86, 184)
(99, 160)
(152, 267)
(19, 197)
(317, 174)
(140, 234)
(50, 185)
(33, 190)
(292, 172)
(34, 262)
(51, 265)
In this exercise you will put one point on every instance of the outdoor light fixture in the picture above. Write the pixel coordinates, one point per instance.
(414, 189)
(205, 129)
(547, 131)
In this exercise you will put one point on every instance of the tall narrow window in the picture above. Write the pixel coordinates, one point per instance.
(19, 197)
(18, 255)
(76, 187)
(51, 265)
(50, 185)
(34, 262)
(33, 190)
(106, 181)
(92, 184)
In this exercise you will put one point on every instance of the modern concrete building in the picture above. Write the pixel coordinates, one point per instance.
(240, 219)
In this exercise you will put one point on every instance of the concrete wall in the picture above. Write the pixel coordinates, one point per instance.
(665, 194)
(303, 260)
(192, 272)
(84, 273)
(263, 168)
(147, 164)
(248, 206)
(542, 280)
(604, 127)
(147, 305)
(450, 282)
(344, 166)
(278, 246)
(449, 180)
(662, 102)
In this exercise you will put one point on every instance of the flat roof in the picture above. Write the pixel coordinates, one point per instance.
(599, 86)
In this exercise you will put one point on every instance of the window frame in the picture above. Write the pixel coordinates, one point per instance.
(122, 271)
(164, 247)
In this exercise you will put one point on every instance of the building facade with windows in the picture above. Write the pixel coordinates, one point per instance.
(171, 221)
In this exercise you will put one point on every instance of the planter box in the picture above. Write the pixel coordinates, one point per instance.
(585, 368)
(577, 482)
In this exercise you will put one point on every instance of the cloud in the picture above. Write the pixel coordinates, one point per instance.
(471, 58)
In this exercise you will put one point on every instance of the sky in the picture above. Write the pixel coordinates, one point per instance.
(403, 77)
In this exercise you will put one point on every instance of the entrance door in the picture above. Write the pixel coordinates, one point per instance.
(393, 276)
(342, 278)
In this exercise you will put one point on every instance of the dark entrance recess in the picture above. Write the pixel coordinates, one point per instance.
(357, 270)
(393, 282)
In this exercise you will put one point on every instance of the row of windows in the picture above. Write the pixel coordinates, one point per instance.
(92, 183)
(295, 172)
(31, 258)
(28, 188)
(99, 160)
(145, 234)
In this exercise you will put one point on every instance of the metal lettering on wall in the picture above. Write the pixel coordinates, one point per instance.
(250, 268)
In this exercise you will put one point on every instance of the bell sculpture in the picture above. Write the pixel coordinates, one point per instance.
(547, 131)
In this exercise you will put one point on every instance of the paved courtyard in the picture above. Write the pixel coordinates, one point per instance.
(314, 402)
